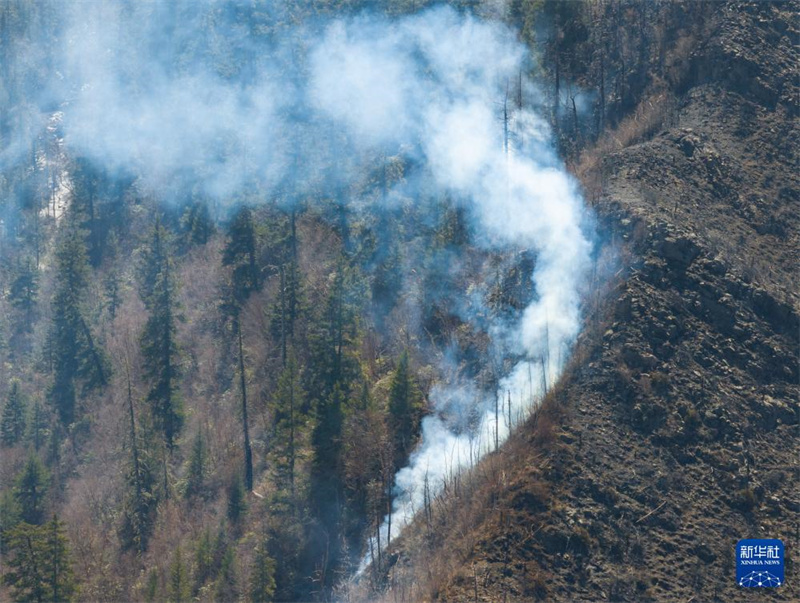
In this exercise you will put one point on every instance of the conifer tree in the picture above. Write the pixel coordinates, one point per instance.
(113, 293)
(158, 340)
(404, 410)
(178, 586)
(9, 517)
(240, 253)
(262, 575)
(236, 501)
(59, 576)
(289, 307)
(203, 560)
(227, 586)
(26, 571)
(195, 475)
(198, 227)
(30, 490)
(87, 181)
(334, 369)
(39, 568)
(12, 421)
(24, 290)
(37, 429)
(287, 405)
(74, 350)
(139, 507)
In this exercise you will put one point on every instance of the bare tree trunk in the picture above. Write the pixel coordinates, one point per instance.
(283, 314)
(135, 454)
(248, 452)
(291, 433)
(496, 421)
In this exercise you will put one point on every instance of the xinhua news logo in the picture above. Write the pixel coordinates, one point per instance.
(759, 563)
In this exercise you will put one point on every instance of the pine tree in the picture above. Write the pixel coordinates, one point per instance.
(24, 289)
(113, 293)
(404, 410)
(30, 490)
(334, 369)
(12, 421)
(37, 429)
(139, 507)
(178, 587)
(59, 574)
(262, 575)
(40, 565)
(236, 501)
(240, 253)
(26, 574)
(198, 227)
(151, 587)
(227, 587)
(290, 305)
(203, 560)
(334, 334)
(158, 341)
(74, 351)
(196, 472)
(287, 406)
(9, 517)
(327, 439)
(85, 207)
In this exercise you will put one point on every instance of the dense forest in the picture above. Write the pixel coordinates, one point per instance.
(256, 256)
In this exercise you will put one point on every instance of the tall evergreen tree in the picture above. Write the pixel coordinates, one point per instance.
(404, 410)
(87, 183)
(12, 421)
(204, 566)
(289, 306)
(37, 429)
(227, 586)
(59, 575)
(30, 490)
(334, 369)
(196, 472)
(178, 586)
(74, 351)
(24, 289)
(39, 565)
(288, 404)
(26, 569)
(198, 227)
(159, 339)
(139, 507)
(262, 575)
(240, 254)
(237, 504)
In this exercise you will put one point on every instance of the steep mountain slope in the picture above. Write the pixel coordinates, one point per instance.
(675, 432)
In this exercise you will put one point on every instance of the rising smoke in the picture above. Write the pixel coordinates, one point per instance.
(190, 100)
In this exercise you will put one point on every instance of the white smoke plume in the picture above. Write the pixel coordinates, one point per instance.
(184, 97)
(436, 81)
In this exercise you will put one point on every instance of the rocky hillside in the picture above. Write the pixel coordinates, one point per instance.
(675, 433)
